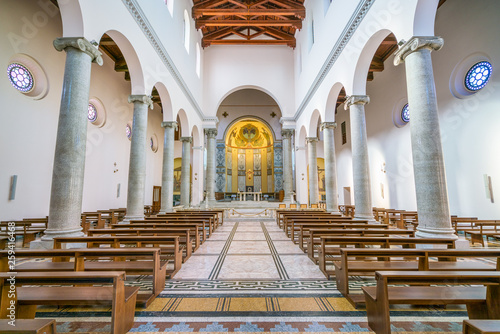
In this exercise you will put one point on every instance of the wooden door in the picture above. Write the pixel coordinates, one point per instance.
(156, 199)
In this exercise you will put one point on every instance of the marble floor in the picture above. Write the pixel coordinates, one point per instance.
(249, 250)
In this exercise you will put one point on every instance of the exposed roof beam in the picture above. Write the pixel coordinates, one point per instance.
(289, 42)
(241, 23)
(197, 13)
(209, 3)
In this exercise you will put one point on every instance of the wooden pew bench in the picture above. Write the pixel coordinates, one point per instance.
(483, 229)
(288, 219)
(28, 326)
(481, 327)
(293, 230)
(330, 246)
(122, 299)
(217, 214)
(133, 261)
(281, 214)
(28, 228)
(209, 220)
(364, 262)
(195, 227)
(170, 247)
(482, 301)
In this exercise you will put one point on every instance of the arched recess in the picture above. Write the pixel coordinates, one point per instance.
(197, 167)
(163, 98)
(130, 62)
(183, 121)
(366, 64)
(195, 133)
(313, 125)
(301, 166)
(250, 87)
(335, 98)
(72, 18)
(425, 17)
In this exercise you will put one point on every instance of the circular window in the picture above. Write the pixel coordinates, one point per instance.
(153, 143)
(405, 113)
(20, 77)
(478, 76)
(92, 115)
(128, 131)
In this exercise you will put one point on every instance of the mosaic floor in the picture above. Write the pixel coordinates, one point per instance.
(249, 277)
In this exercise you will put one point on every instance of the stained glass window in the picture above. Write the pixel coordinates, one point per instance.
(20, 77)
(128, 131)
(151, 143)
(405, 113)
(92, 115)
(478, 75)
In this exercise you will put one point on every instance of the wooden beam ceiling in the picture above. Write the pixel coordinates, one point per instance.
(252, 22)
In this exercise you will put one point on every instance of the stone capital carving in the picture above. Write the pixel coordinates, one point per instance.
(356, 99)
(211, 133)
(328, 125)
(417, 43)
(187, 139)
(311, 139)
(79, 43)
(142, 99)
(287, 133)
(171, 124)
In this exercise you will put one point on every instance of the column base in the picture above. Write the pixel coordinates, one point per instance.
(370, 218)
(438, 233)
(162, 212)
(127, 219)
(47, 240)
(334, 212)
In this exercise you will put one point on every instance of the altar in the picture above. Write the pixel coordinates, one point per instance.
(257, 195)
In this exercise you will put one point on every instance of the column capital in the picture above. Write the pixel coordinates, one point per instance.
(416, 43)
(142, 99)
(79, 43)
(311, 139)
(356, 99)
(171, 124)
(211, 133)
(187, 139)
(328, 125)
(287, 133)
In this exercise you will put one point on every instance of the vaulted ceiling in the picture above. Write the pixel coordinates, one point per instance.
(255, 22)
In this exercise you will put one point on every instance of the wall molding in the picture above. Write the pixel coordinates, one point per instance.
(344, 38)
(141, 20)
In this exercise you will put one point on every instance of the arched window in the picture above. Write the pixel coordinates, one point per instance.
(478, 76)
(198, 59)
(187, 32)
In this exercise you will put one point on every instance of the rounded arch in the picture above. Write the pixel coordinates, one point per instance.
(425, 17)
(197, 137)
(302, 135)
(137, 80)
(365, 59)
(250, 87)
(253, 117)
(331, 102)
(166, 102)
(184, 123)
(313, 125)
(72, 18)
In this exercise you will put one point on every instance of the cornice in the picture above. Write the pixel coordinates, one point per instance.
(141, 20)
(345, 36)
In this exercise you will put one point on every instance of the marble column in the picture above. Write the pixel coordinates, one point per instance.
(211, 138)
(286, 136)
(137, 163)
(332, 200)
(167, 179)
(69, 158)
(360, 162)
(428, 163)
(186, 171)
(313, 170)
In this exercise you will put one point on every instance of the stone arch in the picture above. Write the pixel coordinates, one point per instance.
(72, 18)
(302, 135)
(236, 120)
(425, 17)
(197, 137)
(332, 102)
(365, 59)
(166, 102)
(313, 125)
(135, 68)
(250, 87)
(184, 123)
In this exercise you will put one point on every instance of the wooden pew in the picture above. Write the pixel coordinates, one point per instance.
(28, 326)
(28, 228)
(92, 217)
(198, 226)
(210, 220)
(483, 228)
(363, 262)
(289, 221)
(481, 327)
(121, 299)
(192, 232)
(280, 214)
(133, 261)
(330, 246)
(169, 245)
(313, 243)
(219, 213)
(482, 301)
(295, 226)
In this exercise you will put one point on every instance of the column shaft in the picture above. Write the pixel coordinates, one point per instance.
(313, 170)
(428, 162)
(332, 201)
(69, 158)
(186, 171)
(167, 179)
(286, 135)
(360, 161)
(211, 138)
